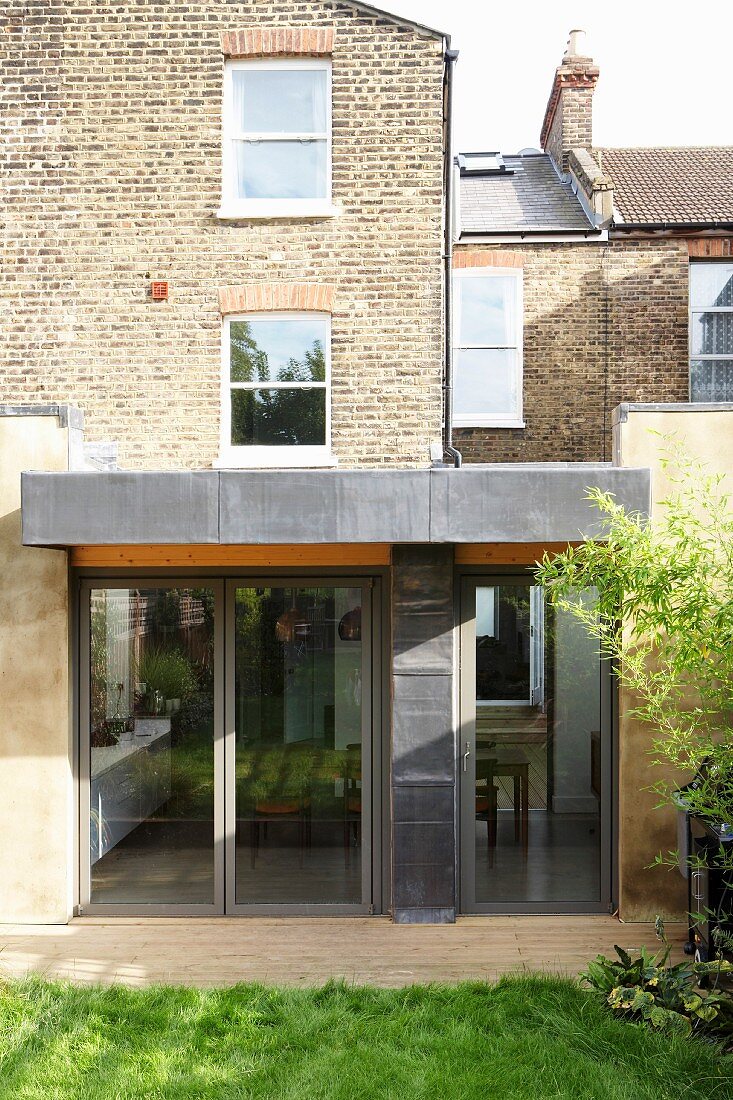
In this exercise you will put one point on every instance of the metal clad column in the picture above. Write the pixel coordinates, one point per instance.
(423, 751)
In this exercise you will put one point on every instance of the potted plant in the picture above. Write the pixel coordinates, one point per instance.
(166, 678)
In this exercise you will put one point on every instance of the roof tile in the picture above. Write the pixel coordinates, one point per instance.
(670, 184)
(533, 198)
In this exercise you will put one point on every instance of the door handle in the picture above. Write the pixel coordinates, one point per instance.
(466, 755)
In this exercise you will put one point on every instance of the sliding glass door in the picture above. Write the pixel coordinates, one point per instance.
(299, 746)
(535, 754)
(226, 752)
(151, 750)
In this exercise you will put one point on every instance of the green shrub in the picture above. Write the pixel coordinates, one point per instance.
(664, 615)
(668, 998)
(168, 671)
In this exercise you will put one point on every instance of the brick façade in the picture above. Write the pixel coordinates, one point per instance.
(603, 323)
(111, 120)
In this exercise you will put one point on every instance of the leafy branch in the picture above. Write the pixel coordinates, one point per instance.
(664, 615)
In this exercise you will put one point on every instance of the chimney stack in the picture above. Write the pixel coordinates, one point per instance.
(568, 122)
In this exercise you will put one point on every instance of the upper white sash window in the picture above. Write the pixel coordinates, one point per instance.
(277, 138)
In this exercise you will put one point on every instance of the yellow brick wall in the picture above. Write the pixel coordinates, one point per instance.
(111, 125)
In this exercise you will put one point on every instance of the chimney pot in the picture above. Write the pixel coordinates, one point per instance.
(576, 45)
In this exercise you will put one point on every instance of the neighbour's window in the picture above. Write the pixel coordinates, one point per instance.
(711, 332)
(487, 340)
(276, 401)
(277, 136)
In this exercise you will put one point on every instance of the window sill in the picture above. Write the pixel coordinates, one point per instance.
(275, 458)
(259, 210)
(478, 423)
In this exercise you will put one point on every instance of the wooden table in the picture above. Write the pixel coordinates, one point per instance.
(513, 764)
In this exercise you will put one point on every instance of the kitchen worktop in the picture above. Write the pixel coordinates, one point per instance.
(109, 756)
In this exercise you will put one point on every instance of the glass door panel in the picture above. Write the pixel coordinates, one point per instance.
(301, 773)
(534, 777)
(150, 746)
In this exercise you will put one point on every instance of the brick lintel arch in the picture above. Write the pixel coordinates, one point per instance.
(263, 297)
(246, 42)
(463, 258)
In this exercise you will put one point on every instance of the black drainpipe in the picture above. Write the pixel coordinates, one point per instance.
(448, 448)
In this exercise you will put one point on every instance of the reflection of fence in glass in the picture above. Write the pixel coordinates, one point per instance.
(127, 627)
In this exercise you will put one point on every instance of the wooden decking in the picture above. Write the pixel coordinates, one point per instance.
(298, 951)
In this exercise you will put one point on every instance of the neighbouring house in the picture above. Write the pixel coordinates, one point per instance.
(593, 302)
(619, 263)
(268, 647)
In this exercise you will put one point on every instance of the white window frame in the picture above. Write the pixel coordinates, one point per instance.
(231, 457)
(232, 206)
(709, 309)
(490, 420)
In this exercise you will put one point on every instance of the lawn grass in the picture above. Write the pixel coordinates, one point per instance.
(526, 1037)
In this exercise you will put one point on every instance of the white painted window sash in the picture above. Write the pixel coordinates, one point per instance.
(254, 456)
(232, 206)
(278, 386)
(245, 135)
(492, 420)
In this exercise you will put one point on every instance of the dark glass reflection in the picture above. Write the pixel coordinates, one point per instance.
(281, 417)
(538, 781)
(152, 735)
(282, 350)
(298, 716)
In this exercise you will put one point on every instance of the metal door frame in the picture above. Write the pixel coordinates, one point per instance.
(139, 908)
(371, 751)
(375, 837)
(466, 786)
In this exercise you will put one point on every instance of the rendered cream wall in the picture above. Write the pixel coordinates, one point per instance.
(643, 830)
(36, 808)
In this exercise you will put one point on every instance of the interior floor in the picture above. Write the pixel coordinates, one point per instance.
(164, 865)
(562, 862)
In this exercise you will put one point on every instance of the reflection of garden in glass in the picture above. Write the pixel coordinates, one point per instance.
(502, 643)
(298, 745)
(282, 351)
(151, 745)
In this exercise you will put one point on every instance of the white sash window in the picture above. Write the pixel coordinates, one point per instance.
(277, 138)
(487, 348)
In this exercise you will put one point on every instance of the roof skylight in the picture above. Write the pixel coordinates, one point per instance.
(482, 164)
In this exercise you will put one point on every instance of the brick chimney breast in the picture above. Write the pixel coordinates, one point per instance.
(568, 121)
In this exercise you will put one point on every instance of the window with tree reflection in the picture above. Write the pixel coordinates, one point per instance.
(278, 381)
